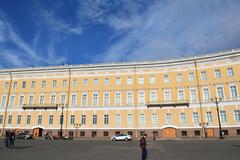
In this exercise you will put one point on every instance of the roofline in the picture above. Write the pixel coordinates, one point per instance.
(129, 64)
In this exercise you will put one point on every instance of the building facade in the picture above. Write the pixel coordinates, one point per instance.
(165, 99)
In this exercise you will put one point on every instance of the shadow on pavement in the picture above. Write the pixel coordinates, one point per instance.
(236, 145)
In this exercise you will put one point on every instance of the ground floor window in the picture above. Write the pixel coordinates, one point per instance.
(82, 133)
(155, 133)
(184, 133)
(70, 133)
(130, 133)
(117, 132)
(197, 133)
(142, 133)
(105, 134)
(225, 132)
(94, 133)
(238, 131)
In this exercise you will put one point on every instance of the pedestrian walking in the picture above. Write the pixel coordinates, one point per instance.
(12, 137)
(7, 139)
(143, 145)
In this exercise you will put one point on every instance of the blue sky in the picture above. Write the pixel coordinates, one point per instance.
(56, 32)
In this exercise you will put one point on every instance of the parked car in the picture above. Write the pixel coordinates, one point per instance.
(67, 137)
(24, 135)
(121, 137)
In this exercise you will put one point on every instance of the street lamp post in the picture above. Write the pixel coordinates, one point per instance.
(61, 120)
(216, 101)
(76, 125)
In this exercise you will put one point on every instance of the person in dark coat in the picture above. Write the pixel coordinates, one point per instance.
(12, 139)
(7, 139)
(143, 145)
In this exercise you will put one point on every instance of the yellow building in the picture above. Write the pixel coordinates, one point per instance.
(163, 98)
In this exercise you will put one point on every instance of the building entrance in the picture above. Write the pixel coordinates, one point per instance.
(37, 132)
(169, 132)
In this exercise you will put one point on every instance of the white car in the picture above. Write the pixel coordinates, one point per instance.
(121, 137)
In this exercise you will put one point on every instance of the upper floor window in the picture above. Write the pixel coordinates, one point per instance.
(118, 119)
(74, 83)
(4, 100)
(220, 92)
(95, 81)
(94, 119)
(118, 81)
(141, 97)
(154, 119)
(233, 91)
(209, 117)
(237, 115)
(191, 76)
(141, 80)
(203, 75)
(31, 99)
(63, 99)
(230, 72)
(129, 80)
(167, 95)
(95, 99)
(24, 84)
(85, 81)
(142, 118)
(165, 78)
(193, 95)
(53, 99)
(117, 98)
(179, 77)
(33, 84)
(183, 118)
(180, 95)
(129, 97)
(84, 99)
(153, 95)
(106, 81)
(106, 98)
(195, 117)
(74, 99)
(6, 84)
(21, 100)
(152, 80)
(64, 83)
(168, 118)
(217, 73)
(223, 116)
(43, 85)
(15, 85)
(54, 83)
(42, 99)
(206, 94)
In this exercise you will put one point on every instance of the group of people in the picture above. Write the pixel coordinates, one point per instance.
(9, 139)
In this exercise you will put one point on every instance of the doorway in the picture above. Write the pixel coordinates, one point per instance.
(169, 132)
(37, 132)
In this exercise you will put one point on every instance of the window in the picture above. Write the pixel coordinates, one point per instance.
(106, 119)
(129, 80)
(184, 133)
(142, 118)
(179, 77)
(220, 92)
(117, 98)
(64, 83)
(106, 98)
(193, 96)
(95, 99)
(223, 116)
(180, 95)
(152, 80)
(61, 118)
(74, 99)
(1, 119)
(12, 101)
(237, 115)
(83, 119)
(206, 96)
(195, 117)
(217, 73)
(84, 99)
(10, 119)
(168, 118)
(129, 97)
(53, 99)
(39, 119)
(118, 119)
(203, 75)
(167, 95)
(21, 100)
(153, 96)
(15, 85)
(43, 85)
(33, 84)
(154, 119)
(28, 119)
(141, 98)
(130, 119)
(191, 76)
(209, 117)
(165, 78)
(24, 84)
(31, 99)
(50, 121)
(4, 100)
(118, 81)
(54, 83)
(19, 119)
(72, 119)
(95, 81)
(105, 133)
(197, 133)
(106, 81)
(85, 81)
(82, 133)
(94, 122)
(141, 80)
(233, 91)
(230, 72)
(6, 85)
(183, 118)
(74, 83)
(63, 99)
(42, 99)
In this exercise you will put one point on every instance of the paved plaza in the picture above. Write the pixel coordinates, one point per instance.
(108, 150)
